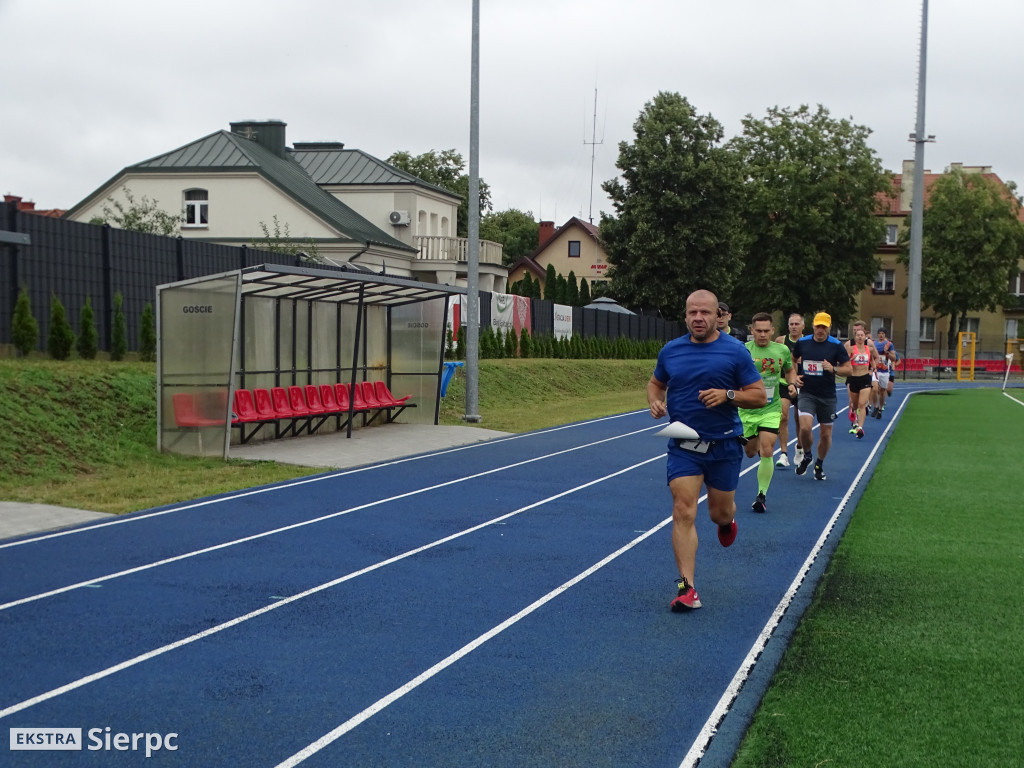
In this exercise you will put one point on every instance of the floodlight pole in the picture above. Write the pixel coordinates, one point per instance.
(917, 202)
(473, 256)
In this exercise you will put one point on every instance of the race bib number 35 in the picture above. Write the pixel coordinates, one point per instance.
(814, 367)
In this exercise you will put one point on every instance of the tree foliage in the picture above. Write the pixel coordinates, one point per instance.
(278, 240)
(446, 170)
(972, 239)
(810, 210)
(516, 230)
(24, 327)
(143, 215)
(677, 225)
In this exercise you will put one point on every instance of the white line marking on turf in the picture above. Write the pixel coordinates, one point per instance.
(1018, 402)
(256, 536)
(342, 473)
(732, 690)
(320, 588)
(465, 650)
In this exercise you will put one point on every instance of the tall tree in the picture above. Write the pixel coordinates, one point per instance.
(446, 170)
(812, 196)
(972, 241)
(677, 225)
(516, 230)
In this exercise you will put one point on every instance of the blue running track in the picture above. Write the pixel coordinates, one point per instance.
(500, 604)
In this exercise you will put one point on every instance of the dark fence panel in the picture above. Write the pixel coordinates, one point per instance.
(73, 261)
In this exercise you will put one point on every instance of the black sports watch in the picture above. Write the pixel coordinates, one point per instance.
(730, 394)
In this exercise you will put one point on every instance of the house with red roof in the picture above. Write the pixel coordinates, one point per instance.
(883, 304)
(573, 247)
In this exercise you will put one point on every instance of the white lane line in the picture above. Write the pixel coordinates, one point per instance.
(293, 526)
(14, 708)
(732, 690)
(417, 681)
(305, 481)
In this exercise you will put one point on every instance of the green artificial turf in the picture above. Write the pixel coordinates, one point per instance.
(912, 653)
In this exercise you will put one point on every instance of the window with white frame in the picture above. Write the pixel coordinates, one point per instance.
(892, 233)
(972, 325)
(1011, 328)
(885, 281)
(885, 323)
(1016, 286)
(197, 208)
(927, 329)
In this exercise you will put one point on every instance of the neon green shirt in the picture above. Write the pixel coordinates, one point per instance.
(773, 361)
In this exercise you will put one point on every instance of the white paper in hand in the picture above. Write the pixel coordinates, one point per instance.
(677, 429)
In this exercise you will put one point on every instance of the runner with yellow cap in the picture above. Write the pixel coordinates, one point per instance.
(820, 357)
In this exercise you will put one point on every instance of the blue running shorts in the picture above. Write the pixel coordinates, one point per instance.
(720, 466)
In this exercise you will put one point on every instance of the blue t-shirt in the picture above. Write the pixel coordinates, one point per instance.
(687, 367)
(883, 347)
(818, 381)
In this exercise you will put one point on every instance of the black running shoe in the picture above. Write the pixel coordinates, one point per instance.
(805, 462)
(819, 472)
(759, 504)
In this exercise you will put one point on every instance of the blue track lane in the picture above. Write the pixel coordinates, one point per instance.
(501, 604)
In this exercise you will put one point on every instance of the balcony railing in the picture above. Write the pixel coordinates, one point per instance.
(456, 249)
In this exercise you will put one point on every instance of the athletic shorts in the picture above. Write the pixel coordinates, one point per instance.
(784, 392)
(821, 408)
(883, 378)
(764, 422)
(857, 383)
(720, 466)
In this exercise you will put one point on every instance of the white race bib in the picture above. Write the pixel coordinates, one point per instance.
(814, 368)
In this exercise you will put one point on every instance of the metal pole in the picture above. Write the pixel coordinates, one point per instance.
(917, 202)
(473, 266)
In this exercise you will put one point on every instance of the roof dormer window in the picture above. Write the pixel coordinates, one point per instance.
(197, 213)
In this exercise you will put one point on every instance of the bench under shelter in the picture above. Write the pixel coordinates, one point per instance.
(273, 326)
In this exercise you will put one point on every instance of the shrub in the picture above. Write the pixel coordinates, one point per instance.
(119, 331)
(24, 328)
(147, 334)
(61, 338)
(87, 340)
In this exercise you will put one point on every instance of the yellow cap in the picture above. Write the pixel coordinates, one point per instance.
(823, 318)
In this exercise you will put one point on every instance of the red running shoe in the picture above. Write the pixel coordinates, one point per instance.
(687, 599)
(727, 534)
(853, 415)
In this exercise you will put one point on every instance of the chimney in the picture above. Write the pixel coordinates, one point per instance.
(547, 231)
(269, 134)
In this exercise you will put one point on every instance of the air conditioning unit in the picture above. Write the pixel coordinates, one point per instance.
(400, 218)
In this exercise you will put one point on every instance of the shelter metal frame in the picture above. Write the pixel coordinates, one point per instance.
(192, 334)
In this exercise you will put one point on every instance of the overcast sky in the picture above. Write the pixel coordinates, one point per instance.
(89, 88)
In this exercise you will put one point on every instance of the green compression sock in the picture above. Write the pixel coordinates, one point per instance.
(765, 470)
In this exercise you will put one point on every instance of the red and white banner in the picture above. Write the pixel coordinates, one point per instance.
(510, 311)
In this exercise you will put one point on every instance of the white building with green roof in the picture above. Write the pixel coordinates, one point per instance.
(356, 209)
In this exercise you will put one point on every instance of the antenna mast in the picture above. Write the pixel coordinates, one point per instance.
(593, 142)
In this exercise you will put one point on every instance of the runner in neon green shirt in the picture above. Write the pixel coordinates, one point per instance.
(761, 425)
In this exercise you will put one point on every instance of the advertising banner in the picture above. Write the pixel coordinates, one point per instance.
(563, 321)
(510, 311)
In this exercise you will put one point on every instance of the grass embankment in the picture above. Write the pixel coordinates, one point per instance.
(911, 653)
(83, 434)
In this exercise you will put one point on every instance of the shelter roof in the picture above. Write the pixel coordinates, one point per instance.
(343, 286)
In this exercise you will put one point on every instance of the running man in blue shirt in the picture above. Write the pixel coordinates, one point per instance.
(701, 379)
